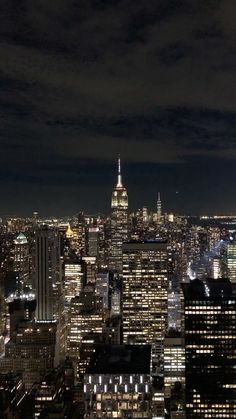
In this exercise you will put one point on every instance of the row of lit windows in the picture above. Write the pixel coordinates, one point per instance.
(126, 388)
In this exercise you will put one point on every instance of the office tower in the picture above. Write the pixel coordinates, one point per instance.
(21, 261)
(159, 213)
(33, 346)
(48, 281)
(85, 319)
(93, 241)
(117, 382)
(115, 302)
(145, 286)
(145, 217)
(210, 347)
(216, 267)
(174, 374)
(119, 223)
(89, 264)
(73, 281)
(228, 260)
(80, 232)
(103, 243)
(102, 288)
(174, 310)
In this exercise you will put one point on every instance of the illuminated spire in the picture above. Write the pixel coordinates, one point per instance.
(119, 179)
(159, 207)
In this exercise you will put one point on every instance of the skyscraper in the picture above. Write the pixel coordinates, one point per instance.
(159, 214)
(210, 347)
(145, 287)
(21, 260)
(228, 259)
(119, 223)
(85, 323)
(47, 274)
(93, 241)
(73, 281)
(117, 383)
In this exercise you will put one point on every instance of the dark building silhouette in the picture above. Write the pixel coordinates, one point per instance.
(210, 344)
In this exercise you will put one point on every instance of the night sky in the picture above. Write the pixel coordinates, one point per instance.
(84, 80)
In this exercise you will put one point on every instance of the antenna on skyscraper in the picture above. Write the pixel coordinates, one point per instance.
(119, 180)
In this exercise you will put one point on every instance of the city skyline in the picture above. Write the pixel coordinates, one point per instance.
(116, 316)
(117, 209)
(82, 83)
(173, 200)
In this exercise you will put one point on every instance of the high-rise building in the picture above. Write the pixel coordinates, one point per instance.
(93, 241)
(73, 281)
(115, 302)
(159, 213)
(102, 288)
(228, 258)
(119, 223)
(117, 382)
(210, 347)
(21, 261)
(216, 267)
(174, 310)
(145, 289)
(85, 318)
(174, 361)
(48, 283)
(89, 268)
(33, 348)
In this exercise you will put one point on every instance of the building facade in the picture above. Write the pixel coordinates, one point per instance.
(119, 223)
(210, 347)
(145, 293)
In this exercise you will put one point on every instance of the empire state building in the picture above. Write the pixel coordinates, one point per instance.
(119, 223)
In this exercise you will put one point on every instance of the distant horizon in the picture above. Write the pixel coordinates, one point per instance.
(100, 213)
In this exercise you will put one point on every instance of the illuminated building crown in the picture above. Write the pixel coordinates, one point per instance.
(119, 195)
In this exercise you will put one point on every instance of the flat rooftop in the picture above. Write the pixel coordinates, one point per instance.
(120, 359)
(145, 245)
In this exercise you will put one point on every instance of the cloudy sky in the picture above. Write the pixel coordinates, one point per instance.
(84, 80)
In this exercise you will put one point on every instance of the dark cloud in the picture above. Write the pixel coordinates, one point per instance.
(84, 80)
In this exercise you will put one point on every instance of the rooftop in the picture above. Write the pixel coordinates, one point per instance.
(208, 289)
(120, 359)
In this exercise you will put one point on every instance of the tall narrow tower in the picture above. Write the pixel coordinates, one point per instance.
(119, 223)
(21, 261)
(47, 274)
(159, 208)
(43, 281)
